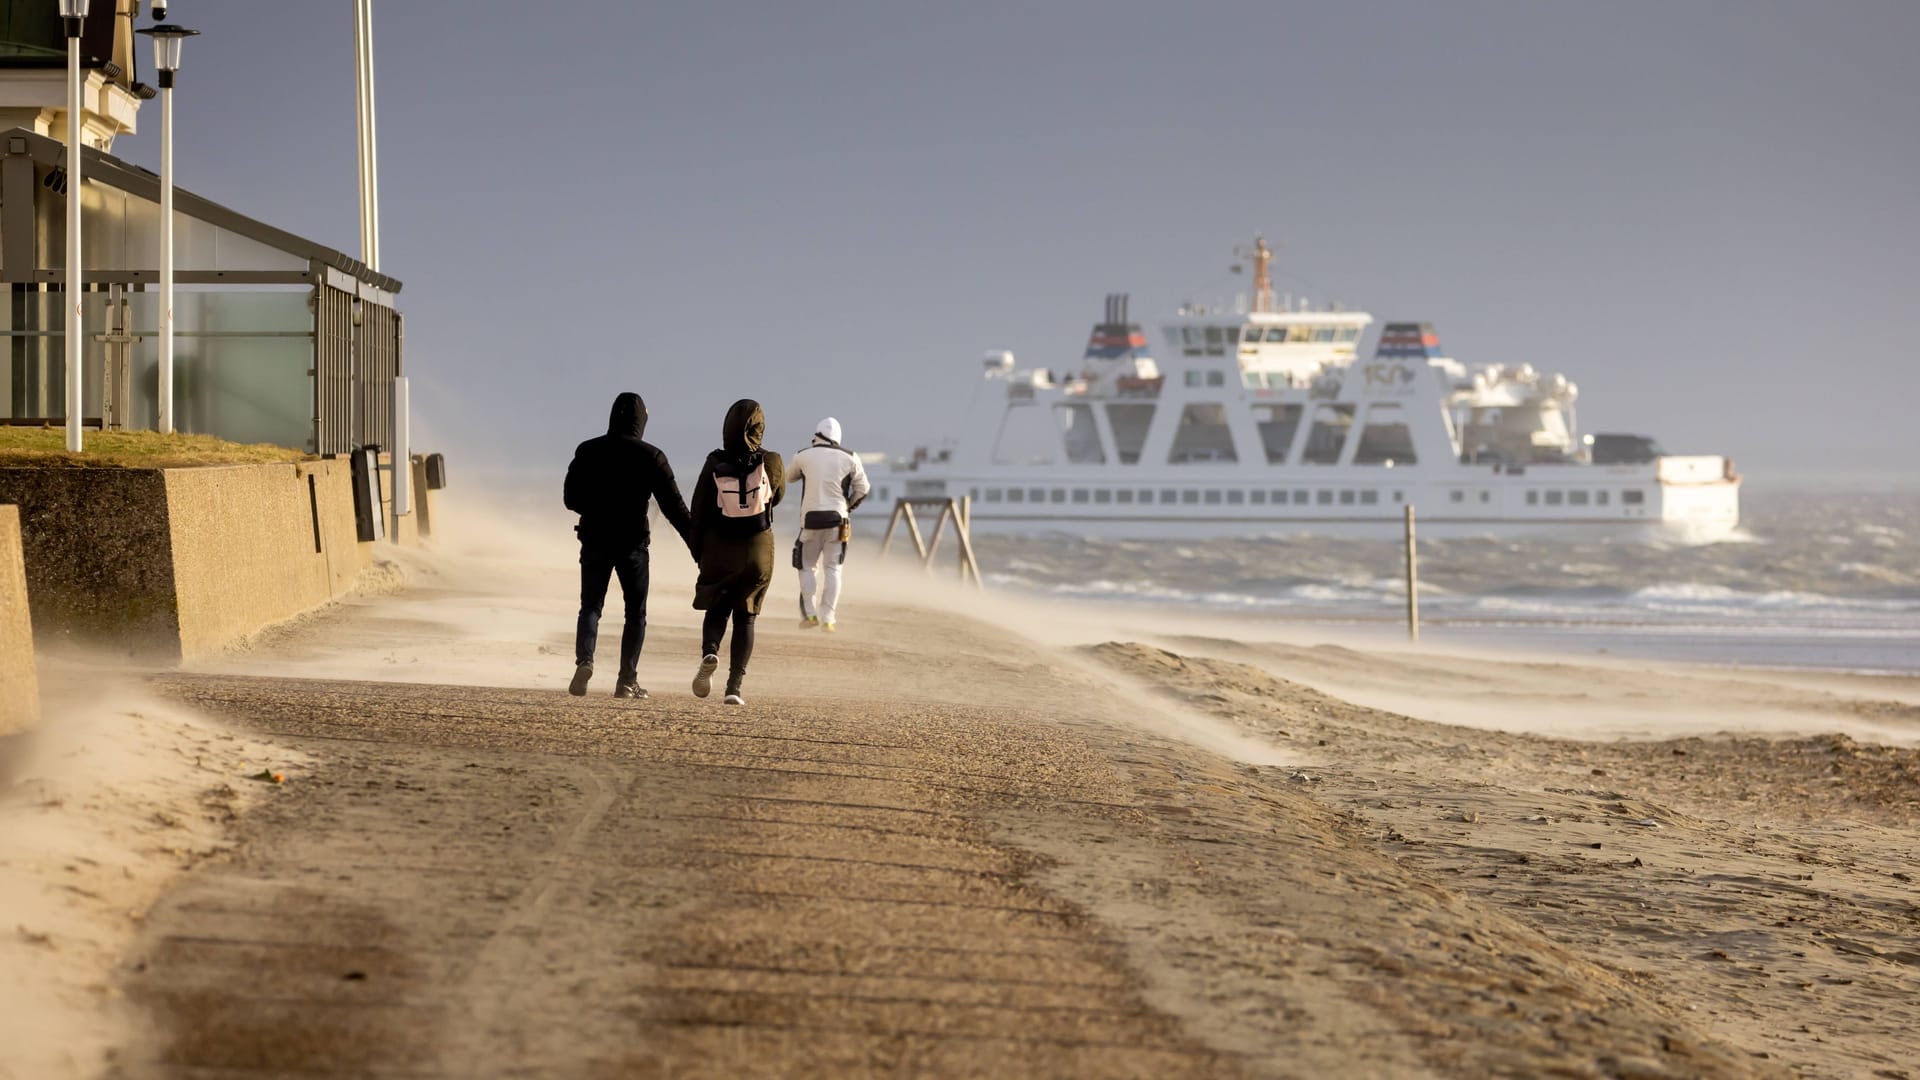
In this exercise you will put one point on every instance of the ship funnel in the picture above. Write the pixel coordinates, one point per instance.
(1410, 341)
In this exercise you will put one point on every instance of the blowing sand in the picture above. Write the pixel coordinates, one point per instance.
(969, 836)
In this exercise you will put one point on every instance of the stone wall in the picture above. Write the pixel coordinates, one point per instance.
(98, 556)
(163, 565)
(255, 544)
(19, 685)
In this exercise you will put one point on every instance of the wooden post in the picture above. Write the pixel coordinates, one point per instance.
(1413, 584)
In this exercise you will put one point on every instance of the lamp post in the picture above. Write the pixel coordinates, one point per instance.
(167, 39)
(73, 13)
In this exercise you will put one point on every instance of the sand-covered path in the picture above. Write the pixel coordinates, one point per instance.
(494, 882)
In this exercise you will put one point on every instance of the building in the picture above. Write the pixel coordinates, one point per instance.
(277, 338)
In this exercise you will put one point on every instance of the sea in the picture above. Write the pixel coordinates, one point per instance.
(1813, 580)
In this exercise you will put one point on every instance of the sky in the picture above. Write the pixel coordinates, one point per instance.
(1701, 212)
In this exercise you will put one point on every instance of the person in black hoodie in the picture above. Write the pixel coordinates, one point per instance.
(733, 503)
(608, 485)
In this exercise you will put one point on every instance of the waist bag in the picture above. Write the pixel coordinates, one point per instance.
(822, 519)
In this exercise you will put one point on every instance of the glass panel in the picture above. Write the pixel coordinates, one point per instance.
(1213, 498)
(1276, 333)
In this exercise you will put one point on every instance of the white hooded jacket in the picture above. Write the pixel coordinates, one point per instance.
(834, 478)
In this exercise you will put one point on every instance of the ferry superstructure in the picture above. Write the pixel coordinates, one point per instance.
(1267, 420)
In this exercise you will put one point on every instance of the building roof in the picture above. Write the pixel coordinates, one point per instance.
(112, 171)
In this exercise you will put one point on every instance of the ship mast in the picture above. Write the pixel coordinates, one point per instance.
(1262, 258)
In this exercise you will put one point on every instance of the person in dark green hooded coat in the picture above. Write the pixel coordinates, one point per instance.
(732, 540)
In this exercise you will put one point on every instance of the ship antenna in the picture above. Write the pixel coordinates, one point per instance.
(1262, 258)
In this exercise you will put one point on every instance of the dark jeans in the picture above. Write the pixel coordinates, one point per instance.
(596, 563)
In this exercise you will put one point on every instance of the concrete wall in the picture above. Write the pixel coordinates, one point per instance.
(98, 556)
(254, 544)
(168, 564)
(19, 686)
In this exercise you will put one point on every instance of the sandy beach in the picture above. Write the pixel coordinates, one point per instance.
(987, 838)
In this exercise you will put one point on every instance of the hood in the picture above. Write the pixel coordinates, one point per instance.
(827, 431)
(744, 428)
(628, 418)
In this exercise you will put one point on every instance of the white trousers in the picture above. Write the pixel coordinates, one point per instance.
(818, 546)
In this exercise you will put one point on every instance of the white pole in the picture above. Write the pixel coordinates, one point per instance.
(369, 159)
(76, 351)
(166, 254)
(402, 454)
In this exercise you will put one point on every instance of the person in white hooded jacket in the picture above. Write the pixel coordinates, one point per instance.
(835, 482)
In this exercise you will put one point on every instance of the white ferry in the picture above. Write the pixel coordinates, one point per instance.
(1267, 420)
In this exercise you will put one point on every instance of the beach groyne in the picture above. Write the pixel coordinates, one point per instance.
(167, 564)
(19, 685)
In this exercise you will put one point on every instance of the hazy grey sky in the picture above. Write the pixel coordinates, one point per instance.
(1701, 212)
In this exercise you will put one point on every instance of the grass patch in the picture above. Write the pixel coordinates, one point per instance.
(46, 447)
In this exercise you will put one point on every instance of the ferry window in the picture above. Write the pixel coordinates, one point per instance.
(1124, 495)
(974, 494)
(1080, 495)
(1236, 497)
(1300, 334)
(993, 494)
(1456, 496)
(1633, 497)
(1036, 494)
(1576, 498)
(1253, 380)
(1190, 338)
(1190, 496)
(1486, 496)
(1328, 435)
(1146, 496)
(1323, 333)
(1193, 378)
(1216, 378)
(1059, 495)
(1349, 333)
(1369, 498)
(1299, 496)
(1016, 495)
(1173, 338)
(1324, 498)
(1213, 498)
(1233, 335)
(1102, 495)
(1533, 498)
(1346, 498)
(1601, 497)
(1553, 498)
(1203, 436)
(1386, 439)
(1399, 496)
(1168, 495)
(1259, 497)
(1250, 335)
(1276, 333)
(1213, 337)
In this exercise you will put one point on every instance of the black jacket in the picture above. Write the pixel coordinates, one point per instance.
(612, 477)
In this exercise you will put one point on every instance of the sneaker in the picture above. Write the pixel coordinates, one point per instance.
(703, 679)
(828, 627)
(734, 698)
(581, 676)
(629, 690)
(809, 622)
